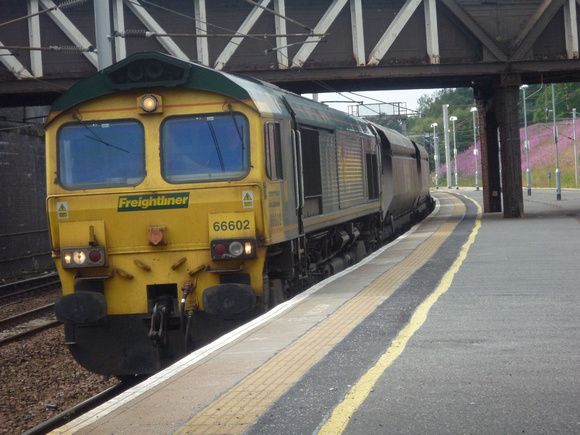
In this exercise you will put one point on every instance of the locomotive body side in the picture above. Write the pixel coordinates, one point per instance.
(338, 160)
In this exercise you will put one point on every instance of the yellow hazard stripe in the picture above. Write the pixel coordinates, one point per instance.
(358, 393)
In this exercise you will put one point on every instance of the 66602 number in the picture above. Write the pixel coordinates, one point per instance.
(231, 225)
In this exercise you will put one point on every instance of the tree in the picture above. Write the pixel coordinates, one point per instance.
(567, 97)
(460, 101)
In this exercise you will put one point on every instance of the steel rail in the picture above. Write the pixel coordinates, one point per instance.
(31, 331)
(82, 408)
(20, 316)
(31, 284)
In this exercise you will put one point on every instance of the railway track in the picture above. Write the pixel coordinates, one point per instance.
(39, 377)
(19, 289)
(83, 407)
(27, 323)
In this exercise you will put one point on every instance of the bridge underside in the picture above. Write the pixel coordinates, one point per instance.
(313, 46)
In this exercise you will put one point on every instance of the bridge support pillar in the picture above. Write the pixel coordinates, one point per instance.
(507, 95)
(497, 105)
(490, 170)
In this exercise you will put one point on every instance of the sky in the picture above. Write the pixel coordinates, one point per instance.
(375, 99)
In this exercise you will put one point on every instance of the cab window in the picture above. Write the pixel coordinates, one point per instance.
(205, 148)
(273, 151)
(101, 154)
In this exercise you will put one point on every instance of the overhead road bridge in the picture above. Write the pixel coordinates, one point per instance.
(313, 46)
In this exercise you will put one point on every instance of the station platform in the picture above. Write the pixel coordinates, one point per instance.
(468, 324)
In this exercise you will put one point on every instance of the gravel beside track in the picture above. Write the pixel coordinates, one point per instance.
(39, 377)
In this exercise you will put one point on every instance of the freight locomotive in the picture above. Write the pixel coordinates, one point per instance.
(181, 198)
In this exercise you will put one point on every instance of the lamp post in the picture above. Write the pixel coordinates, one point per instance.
(558, 181)
(527, 143)
(453, 119)
(436, 155)
(473, 110)
(575, 145)
(446, 137)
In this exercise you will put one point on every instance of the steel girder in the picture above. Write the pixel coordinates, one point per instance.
(304, 45)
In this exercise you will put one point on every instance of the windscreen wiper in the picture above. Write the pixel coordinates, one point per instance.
(98, 139)
(94, 136)
(217, 146)
(240, 134)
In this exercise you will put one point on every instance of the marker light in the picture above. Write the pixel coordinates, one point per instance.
(95, 256)
(149, 103)
(219, 249)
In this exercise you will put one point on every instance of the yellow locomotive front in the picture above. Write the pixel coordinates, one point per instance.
(156, 187)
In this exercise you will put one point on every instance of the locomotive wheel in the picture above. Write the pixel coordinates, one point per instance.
(276, 290)
(359, 250)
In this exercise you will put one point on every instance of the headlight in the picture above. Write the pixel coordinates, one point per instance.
(85, 256)
(79, 258)
(149, 103)
(236, 248)
(230, 249)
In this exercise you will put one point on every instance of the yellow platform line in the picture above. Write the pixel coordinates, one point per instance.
(238, 408)
(358, 393)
